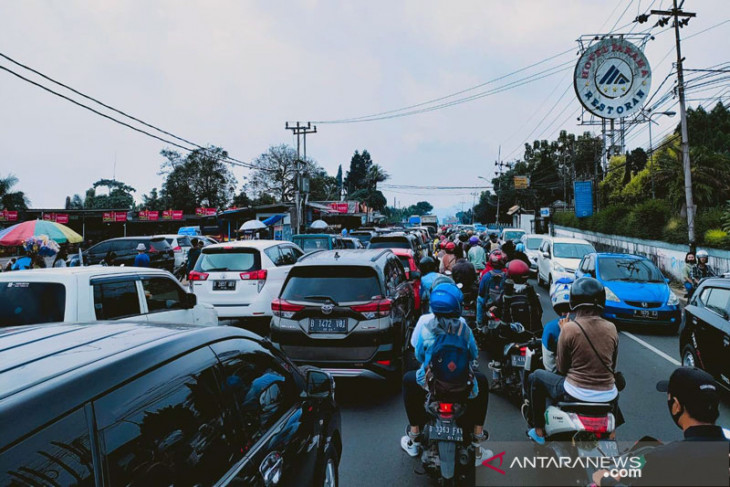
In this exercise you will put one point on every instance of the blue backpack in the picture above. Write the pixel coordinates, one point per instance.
(449, 376)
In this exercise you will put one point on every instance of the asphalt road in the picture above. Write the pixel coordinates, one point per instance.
(373, 416)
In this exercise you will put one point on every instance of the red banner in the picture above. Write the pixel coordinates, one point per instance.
(340, 207)
(114, 216)
(56, 217)
(120, 216)
(147, 215)
(172, 215)
(108, 216)
(8, 216)
(205, 212)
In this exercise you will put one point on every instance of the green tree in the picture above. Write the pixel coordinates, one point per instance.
(12, 200)
(201, 178)
(357, 176)
(338, 178)
(154, 201)
(322, 186)
(119, 195)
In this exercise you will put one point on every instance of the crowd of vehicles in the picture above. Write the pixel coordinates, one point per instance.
(331, 308)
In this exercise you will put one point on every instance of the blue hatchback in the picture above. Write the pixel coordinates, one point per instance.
(636, 290)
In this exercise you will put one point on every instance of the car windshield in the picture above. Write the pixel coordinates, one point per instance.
(533, 243)
(28, 303)
(513, 235)
(571, 250)
(627, 269)
(342, 284)
(382, 243)
(313, 243)
(222, 259)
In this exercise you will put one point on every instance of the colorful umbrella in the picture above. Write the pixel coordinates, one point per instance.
(13, 236)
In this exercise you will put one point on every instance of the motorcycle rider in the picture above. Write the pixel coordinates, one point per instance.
(428, 268)
(702, 269)
(493, 243)
(518, 294)
(512, 253)
(464, 273)
(476, 254)
(560, 299)
(490, 285)
(446, 313)
(461, 245)
(582, 372)
(693, 400)
(689, 262)
(448, 259)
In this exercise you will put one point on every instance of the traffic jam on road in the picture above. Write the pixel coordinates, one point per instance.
(168, 387)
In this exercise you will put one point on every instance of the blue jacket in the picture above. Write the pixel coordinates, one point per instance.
(484, 283)
(550, 334)
(23, 263)
(427, 281)
(142, 260)
(426, 340)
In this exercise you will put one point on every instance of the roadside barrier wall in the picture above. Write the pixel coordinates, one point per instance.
(668, 257)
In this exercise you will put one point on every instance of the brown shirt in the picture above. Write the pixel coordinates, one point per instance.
(577, 360)
(447, 262)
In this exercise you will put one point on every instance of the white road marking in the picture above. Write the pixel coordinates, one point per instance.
(652, 348)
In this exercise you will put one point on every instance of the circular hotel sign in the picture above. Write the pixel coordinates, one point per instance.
(612, 79)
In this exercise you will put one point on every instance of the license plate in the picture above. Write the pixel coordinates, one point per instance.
(445, 432)
(518, 360)
(646, 314)
(469, 312)
(224, 285)
(328, 325)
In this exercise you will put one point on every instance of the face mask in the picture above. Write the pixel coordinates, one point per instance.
(675, 417)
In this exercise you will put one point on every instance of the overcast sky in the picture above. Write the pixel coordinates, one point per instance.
(230, 73)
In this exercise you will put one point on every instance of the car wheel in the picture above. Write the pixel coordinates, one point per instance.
(329, 475)
(539, 279)
(689, 357)
(550, 282)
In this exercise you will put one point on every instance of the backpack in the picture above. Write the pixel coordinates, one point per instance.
(494, 290)
(448, 375)
(516, 307)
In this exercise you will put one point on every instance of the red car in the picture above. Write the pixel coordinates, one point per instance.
(413, 274)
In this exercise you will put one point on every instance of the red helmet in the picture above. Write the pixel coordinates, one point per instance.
(517, 269)
(496, 259)
(450, 247)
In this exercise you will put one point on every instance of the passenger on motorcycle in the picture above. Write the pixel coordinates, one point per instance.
(702, 269)
(519, 301)
(493, 243)
(446, 317)
(428, 314)
(583, 370)
(511, 252)
(461, 245)
(490, 285)
(464, 273)
(701, 457)
(429, 272)
(476, 254)
(560, 299)
(448, 259)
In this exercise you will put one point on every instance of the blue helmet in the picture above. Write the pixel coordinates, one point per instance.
(446, 300)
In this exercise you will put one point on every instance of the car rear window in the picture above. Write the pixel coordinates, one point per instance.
(515, 235)
(533, 243)
(363, 237)
(389, 243)
(342, 284)
(155, 245)
(234, 259)
(28, 303)
(313, 243)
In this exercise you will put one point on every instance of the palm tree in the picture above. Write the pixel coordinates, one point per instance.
(12, 200)
(375, 175)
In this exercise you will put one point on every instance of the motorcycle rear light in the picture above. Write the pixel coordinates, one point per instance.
(374, 309)
(446, 407)
(594, 424)
(385, 363)
(285, 309)
(523, 351)
(198, 276)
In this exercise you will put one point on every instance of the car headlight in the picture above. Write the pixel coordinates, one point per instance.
(558, 267)
(673, 299)
(611, 296)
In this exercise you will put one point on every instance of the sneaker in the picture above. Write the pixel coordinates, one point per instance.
(410, 446)
(532, 434)
(481, 454)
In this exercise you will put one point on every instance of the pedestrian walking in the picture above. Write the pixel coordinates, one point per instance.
(142, 259)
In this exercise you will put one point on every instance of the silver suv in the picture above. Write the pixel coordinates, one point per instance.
(349, 312)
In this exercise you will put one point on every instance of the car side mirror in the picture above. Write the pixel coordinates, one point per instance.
(546, 255)
(190, 300)
(319, 384)
(414, 275)
(666, 279)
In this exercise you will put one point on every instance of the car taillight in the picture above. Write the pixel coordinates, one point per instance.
(285, 309)
(373, 309)
(254, 275)
(198, 276)
(153, 250)
(177, 249)
(386, 363)
(594, 424)
(446, 408)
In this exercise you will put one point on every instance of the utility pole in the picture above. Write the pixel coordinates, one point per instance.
(300, 130)
(677, 12)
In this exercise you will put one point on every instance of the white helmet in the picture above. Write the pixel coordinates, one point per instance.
(702, 254)
(560, 294)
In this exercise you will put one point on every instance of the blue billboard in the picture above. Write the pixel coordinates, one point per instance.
(583, 198)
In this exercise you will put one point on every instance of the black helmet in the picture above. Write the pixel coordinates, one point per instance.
(427, 265)
(586, 292)
(463, 237)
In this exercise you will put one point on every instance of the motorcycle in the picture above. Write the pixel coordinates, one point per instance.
(448, 454)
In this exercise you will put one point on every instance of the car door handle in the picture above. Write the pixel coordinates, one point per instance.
(271, 469)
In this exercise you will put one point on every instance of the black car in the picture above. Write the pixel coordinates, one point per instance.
(159, 251)
(140, 405)
(396, 240)
(350, 312)
(705, 338)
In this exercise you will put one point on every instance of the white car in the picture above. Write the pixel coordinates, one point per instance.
(514, 234)
(559, 257)
(532, 243)
(242, 278)
(181, 245)
(83, 294)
